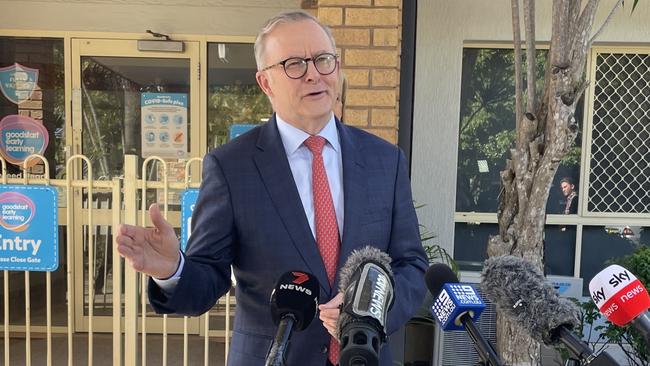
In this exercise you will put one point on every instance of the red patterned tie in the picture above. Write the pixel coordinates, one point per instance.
(327, 230)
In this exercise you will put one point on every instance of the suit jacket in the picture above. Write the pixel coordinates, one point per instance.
(249, 215)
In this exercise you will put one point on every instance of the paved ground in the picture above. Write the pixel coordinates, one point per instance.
(103, 353)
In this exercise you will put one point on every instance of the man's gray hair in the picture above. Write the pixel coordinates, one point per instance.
(288, 17)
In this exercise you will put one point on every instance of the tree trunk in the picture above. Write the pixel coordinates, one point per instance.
(545, 133)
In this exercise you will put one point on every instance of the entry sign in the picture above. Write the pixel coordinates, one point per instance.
(188, 200)
(29, 239)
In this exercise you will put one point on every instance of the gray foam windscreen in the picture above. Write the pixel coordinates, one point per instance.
(521, 293)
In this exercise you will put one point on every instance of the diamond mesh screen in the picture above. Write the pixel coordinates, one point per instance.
(619, 177)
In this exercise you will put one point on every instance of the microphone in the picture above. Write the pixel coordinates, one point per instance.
(522, 294)
(456, 307)
(622, 298)
(366, 282)
(294, 302)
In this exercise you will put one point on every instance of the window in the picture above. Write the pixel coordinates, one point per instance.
(235, 102)
(487, 130)
(619, 178)
(113, 93)
(32, 98)
(471, 240)
(605, 243)
(486, 133)
(614, 218)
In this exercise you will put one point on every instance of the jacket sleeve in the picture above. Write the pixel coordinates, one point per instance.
(209, 255)
(405, 248)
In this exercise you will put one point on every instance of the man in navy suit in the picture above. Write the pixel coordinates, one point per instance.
(256, 212)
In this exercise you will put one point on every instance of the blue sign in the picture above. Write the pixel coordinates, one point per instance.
(239, 129)
(188, 200)
(29, 237)
(18, 82)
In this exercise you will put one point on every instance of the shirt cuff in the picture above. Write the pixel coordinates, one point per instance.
(168, 285)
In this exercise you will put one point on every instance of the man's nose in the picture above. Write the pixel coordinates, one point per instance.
(312, 73)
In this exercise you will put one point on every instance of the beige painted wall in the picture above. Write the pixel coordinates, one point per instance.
(212, 17)
(443, 27)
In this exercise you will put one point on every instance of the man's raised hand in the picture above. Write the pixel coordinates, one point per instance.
(153, 251)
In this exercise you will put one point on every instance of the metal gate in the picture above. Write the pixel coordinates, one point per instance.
(94, 331)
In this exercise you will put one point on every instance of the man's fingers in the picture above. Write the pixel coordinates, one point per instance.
(330, 314)
(125, 251)
(126, 230)
(158, 220)
(332, 304)
(135, 234)
(133, 256)
(331, 327)
(123, 239)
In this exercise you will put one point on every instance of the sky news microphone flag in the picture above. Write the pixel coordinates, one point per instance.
(622, 298)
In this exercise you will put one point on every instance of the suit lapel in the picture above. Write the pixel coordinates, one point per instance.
(355, 194)
(272, 163)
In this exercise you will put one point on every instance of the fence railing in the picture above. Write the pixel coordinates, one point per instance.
(90, 210)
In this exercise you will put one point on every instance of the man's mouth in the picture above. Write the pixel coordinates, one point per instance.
(315, 94)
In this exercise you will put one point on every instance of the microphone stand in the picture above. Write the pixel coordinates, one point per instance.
(642, 323)
(582, 350)
(281, 341)
(485, 350)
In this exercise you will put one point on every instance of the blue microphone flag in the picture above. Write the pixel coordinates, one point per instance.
(453, 301)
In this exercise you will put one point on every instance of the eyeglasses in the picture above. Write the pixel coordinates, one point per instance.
(296, 67)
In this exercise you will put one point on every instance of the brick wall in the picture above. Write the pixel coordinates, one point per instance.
(368, 38)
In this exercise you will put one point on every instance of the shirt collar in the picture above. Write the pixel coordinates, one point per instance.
(293, 137)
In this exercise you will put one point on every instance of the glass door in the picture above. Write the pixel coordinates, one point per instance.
(126, 101)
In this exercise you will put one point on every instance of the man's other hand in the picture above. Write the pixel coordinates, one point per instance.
(153, 251)
(329, 313)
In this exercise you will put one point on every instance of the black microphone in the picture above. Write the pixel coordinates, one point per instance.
(366, 282)
(522, 294)
(457, 306)
(294, 302)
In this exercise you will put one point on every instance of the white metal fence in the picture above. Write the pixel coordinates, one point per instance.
(107, 317)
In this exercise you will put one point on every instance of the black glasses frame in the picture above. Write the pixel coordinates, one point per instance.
(305, 62)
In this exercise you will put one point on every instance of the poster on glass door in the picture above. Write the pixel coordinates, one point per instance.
(164, 125)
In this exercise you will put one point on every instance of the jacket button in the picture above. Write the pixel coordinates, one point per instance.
(324, 349)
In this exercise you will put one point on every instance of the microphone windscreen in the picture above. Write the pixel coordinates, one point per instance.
(437, 275)
(521, 292)
(295, 293)
(351, 282)
(359, 257)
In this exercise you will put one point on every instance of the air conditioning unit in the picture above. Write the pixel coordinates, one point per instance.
(456, 348)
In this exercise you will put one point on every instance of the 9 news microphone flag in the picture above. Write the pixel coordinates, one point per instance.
(456, 307)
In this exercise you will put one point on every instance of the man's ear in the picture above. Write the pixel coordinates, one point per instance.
(263, 81)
